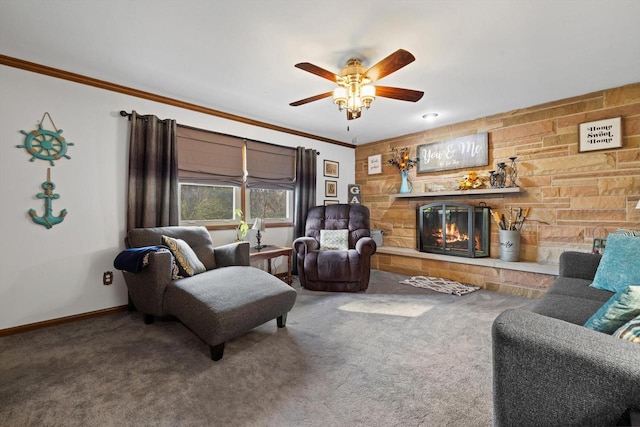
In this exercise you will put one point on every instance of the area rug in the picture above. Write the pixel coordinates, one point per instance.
(439, 284)
(388, 307)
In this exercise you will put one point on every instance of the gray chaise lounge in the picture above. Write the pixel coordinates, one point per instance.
(224, 302)
(549, 370)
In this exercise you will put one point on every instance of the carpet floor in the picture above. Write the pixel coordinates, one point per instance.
(395, 355)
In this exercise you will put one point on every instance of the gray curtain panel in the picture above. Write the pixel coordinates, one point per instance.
(306, 172)
(152, 199)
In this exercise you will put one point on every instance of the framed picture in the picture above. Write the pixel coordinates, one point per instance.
(331, 169)
(375, 164)
(330, 202)
(600, 135)
(331, 188)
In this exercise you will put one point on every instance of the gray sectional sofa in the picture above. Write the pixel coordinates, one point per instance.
(549, 370)
(221, 303)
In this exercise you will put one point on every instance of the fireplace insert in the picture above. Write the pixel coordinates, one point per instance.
(454, 229)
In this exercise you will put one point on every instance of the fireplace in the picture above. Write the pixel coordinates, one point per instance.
(454, 229)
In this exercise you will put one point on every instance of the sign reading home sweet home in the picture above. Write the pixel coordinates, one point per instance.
(600, 135)
(463, 152)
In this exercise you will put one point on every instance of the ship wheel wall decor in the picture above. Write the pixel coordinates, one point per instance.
(45, 144)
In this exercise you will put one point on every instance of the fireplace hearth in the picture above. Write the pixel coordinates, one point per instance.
(454, 229)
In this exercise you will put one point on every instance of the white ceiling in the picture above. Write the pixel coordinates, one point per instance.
(473, 57)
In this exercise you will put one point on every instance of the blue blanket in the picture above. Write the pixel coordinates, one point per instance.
(132, 259)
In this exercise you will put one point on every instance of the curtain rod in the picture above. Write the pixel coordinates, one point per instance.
(123, 113)
(140, 116)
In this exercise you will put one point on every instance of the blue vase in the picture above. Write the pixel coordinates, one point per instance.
(404, 185)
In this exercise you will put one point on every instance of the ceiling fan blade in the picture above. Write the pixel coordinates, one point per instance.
(314, 69)
(311, 99)
(390, 64)
(399, 93)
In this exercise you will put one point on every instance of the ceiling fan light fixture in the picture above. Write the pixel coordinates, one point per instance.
(354, 102)
(340, 97)
(367, 94)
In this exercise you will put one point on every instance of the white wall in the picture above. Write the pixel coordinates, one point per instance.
(51, 273)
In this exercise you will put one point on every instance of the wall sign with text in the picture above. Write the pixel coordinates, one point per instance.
(600, 135)
(457, 153)
(375, 164)
(355, 198)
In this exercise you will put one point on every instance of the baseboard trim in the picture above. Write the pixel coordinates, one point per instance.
(61, 320)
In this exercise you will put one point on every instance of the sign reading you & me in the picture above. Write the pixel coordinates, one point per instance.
(457, 153)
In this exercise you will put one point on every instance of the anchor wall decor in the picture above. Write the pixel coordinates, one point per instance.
(45, 144)
(48, 219)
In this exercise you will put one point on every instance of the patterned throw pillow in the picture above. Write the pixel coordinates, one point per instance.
(619, 265)
(629, 233)
(336, 240)
(187, 260)
(620, 308)
(630, 331)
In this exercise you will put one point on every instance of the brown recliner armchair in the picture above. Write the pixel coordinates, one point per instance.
(322, 269)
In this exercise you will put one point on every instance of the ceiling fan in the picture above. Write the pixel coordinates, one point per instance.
(355, 89)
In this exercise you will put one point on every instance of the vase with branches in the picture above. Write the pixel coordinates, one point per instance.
(404, 163)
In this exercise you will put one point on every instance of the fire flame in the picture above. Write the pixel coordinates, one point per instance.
(454, 235)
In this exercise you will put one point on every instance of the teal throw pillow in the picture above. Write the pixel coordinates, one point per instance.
(620, 308)
(630, 331)
(620, 264)
(336, 240)
(188, 262)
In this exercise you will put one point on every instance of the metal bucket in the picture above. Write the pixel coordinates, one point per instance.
(376, 235)
(509, 245)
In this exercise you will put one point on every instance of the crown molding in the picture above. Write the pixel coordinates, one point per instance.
(90, 81)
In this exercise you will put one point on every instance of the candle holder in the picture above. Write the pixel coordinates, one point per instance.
(501, 175)
(492, 179)
(513, 172)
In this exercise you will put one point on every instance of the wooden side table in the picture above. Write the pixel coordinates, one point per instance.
(270, 252)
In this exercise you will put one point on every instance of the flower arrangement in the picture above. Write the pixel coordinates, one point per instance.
(242, 228)
(401, 159)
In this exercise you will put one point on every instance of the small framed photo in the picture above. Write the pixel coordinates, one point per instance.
(330, 202)
(600, 135)
(331, 188)
(375, 164)
(331, 169)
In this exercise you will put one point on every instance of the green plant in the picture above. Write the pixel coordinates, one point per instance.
(243, 227)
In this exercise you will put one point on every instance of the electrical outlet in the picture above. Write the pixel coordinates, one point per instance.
(107, 278)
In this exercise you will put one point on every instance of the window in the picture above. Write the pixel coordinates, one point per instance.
(215, 170)
(272, 205)
(203, 203)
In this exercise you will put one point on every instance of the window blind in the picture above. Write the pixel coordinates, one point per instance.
(208, 157)
(270, 166)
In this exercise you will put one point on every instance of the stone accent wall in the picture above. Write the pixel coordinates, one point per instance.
(572, 196)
